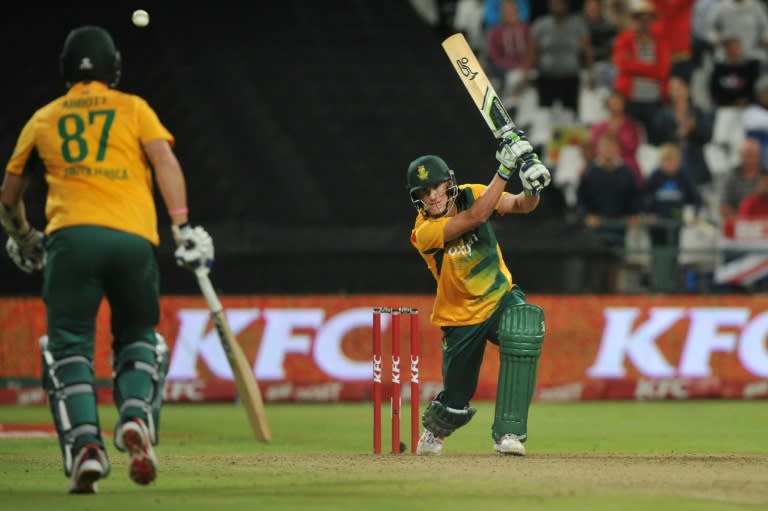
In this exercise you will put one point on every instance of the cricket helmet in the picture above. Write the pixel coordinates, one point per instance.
(89, 53)
(427, 171)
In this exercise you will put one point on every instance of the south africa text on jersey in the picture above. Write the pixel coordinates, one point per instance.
(97, 171)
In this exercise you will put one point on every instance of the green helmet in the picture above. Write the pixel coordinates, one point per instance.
(427, 171)
(89, 53)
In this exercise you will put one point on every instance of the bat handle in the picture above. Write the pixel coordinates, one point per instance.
(207, 289)
(498, 133)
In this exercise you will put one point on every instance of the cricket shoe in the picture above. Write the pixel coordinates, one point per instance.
(89, 466)
(429, 444)
(510, 444)
(133, 436)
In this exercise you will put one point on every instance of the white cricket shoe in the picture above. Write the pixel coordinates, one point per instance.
(429, 444)
(510, 444)
(133, 436)
(89, 466)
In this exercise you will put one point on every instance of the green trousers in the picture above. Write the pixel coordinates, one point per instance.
(88, 264)
(463, 351)
(85, 266)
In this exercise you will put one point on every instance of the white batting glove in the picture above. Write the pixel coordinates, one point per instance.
(194, 247)
(534, 175)
(512, 146)
(28, 251)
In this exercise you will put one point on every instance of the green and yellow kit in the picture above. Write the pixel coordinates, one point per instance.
(90, 143)
(101, 241)
(470, 271)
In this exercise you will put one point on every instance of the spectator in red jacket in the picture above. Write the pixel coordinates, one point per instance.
(674, 25)
(755, 205)
(642, 60)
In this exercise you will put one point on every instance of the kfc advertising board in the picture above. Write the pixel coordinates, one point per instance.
(318, 348)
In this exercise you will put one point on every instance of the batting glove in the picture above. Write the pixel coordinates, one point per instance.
(194, 247)
(28, 251)
(512, 146)
(533, 174)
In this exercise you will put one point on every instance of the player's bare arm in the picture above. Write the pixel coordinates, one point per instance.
(517, 203)
(12, 212)
(480, 211)
(170, 179)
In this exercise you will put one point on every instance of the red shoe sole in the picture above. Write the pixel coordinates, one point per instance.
(143, 470)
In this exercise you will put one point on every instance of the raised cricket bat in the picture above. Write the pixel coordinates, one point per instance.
(247, 388)
(481, 90)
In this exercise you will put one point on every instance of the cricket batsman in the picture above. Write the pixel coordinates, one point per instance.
(477, 300)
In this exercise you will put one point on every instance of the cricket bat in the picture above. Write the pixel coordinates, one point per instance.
(247, 387)
(480, 89)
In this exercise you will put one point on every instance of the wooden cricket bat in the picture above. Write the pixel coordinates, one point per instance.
(247, 387)
(480, 89)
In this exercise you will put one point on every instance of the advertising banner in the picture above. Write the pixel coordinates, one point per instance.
(319, 348)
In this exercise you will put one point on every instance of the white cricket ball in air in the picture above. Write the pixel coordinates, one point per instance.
(140, 18)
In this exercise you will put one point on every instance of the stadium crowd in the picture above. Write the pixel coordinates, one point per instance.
(653, 115)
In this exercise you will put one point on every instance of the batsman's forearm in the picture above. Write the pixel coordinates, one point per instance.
(173, 189)
(485, 205)
(526, 203)
(14, 220)
(13, 215)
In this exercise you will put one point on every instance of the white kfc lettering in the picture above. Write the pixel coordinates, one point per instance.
(639, 346)
(195, 339)
(183, 390)
(328, 352)
(279, 338)
(704, 338)
(662, 389)
(753, 349)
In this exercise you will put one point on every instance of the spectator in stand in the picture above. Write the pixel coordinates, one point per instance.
(755, 117)
(755, 205)
(674, 25)
(733, 79)
(601, 31)
(667, 191)
(617, 12)
(559, 45)
(700, 45)
(608, 200)
(747, 18)
(509, 47)
(742, 181)
(493, 14)
(626, 130)
(642, 61)
(468, 18)
(607, 193)
(686, 125)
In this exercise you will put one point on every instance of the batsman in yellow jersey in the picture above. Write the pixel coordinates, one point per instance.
(99, 148)
(477, 300)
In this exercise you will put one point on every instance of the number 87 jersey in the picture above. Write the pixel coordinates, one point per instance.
(90, 141)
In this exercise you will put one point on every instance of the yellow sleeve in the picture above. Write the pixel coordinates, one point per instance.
(150, 127)
(24, 146)
(429, 237)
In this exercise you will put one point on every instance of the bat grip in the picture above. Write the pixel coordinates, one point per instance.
(498, 133)
(207, 289)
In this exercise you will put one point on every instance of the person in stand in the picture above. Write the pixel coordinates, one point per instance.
(98, 147)
(755, 205)
(477, 299)
(666, 193)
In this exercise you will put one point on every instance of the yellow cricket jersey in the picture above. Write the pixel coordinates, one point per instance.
(470, 271)
(90, 141)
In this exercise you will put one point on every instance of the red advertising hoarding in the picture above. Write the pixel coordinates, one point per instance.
(318, 348)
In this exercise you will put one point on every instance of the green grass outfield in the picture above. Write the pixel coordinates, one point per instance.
(669, 455)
